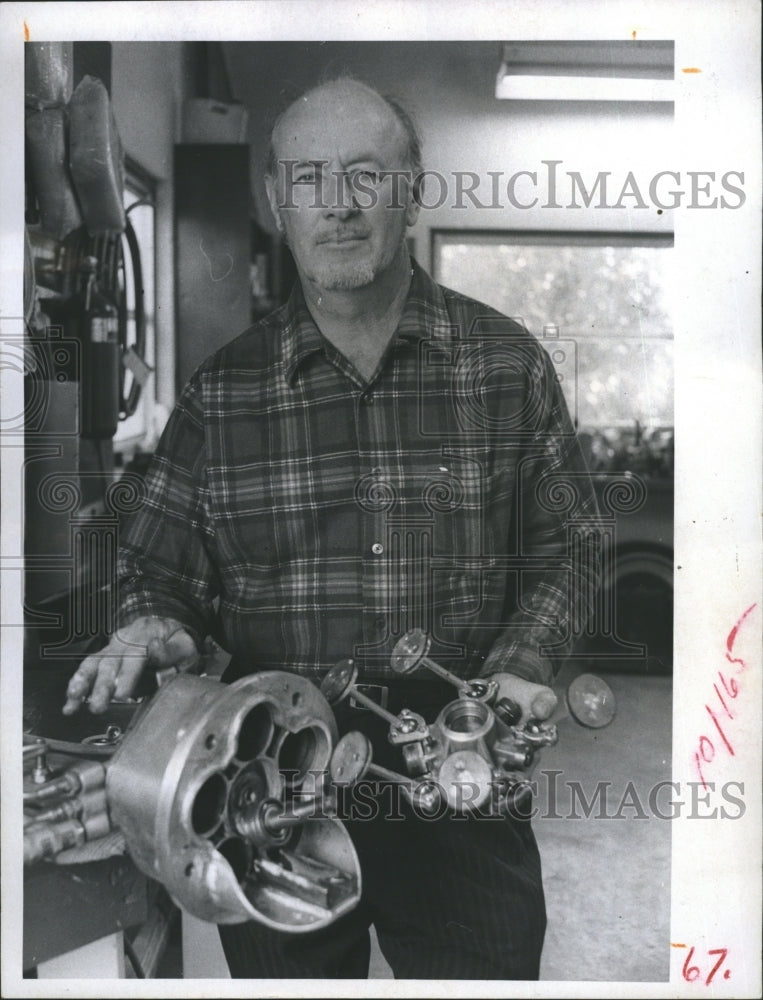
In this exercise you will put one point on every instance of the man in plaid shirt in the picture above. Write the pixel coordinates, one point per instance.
(377, 455)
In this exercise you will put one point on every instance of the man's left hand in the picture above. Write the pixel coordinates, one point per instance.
(536, 700)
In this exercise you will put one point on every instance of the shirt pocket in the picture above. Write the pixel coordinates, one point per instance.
(458, 494)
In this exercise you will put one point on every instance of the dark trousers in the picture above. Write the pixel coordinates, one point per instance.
(458, 897)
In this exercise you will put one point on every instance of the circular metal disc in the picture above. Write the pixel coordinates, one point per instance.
(338, 681)
(465, 777)
(350, 759)
(591, 701)
(408, 651)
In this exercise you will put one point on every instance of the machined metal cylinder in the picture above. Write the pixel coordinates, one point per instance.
(467, 724)
(203, 755)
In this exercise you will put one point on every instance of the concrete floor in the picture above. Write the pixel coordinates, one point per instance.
(607, 880)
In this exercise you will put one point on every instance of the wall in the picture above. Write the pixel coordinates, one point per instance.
(449, 88)
(147, 82)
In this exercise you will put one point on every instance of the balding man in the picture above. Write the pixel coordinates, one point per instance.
(363, 461)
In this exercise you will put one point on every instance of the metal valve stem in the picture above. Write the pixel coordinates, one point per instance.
(351, 761)
(423, 795)
(411, 652)
(383, 772)
(275, 821)
(369, 703)
(339, 683)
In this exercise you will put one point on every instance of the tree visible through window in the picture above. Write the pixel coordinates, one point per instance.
(611, 294)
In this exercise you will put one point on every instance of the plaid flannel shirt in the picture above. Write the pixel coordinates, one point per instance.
(302, 515)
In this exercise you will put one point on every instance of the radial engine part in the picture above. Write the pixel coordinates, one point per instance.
(222, 794)
(477, 751)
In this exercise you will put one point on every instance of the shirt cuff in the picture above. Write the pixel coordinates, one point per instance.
(181, 620)
(522, 661)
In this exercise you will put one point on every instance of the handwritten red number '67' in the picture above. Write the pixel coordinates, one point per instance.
(691, 972)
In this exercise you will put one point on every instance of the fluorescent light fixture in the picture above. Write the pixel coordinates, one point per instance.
(586, 71)
(581, 88)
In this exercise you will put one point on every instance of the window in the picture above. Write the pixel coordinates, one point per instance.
(609, 293)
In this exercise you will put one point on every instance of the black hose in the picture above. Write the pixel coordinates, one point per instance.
(129, 404)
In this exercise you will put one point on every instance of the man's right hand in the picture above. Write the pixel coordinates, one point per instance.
(115, 671)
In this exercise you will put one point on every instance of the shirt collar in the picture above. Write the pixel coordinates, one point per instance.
(300, 337)
(425, 316)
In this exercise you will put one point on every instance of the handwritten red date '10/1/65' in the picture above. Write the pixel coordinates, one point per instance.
(692, 973)
(726, 691)
(697, 968)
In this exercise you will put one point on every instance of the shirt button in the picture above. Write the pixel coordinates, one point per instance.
(380, 621)
(368, 398)
(377, 548)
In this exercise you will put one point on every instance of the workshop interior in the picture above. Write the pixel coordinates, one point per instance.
(149, 243)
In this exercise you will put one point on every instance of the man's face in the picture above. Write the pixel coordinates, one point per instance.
(344, 220)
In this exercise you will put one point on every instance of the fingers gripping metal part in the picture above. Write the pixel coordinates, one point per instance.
(221, 793)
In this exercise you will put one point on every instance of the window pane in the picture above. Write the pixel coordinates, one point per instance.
(613, 299)
(624, 380)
